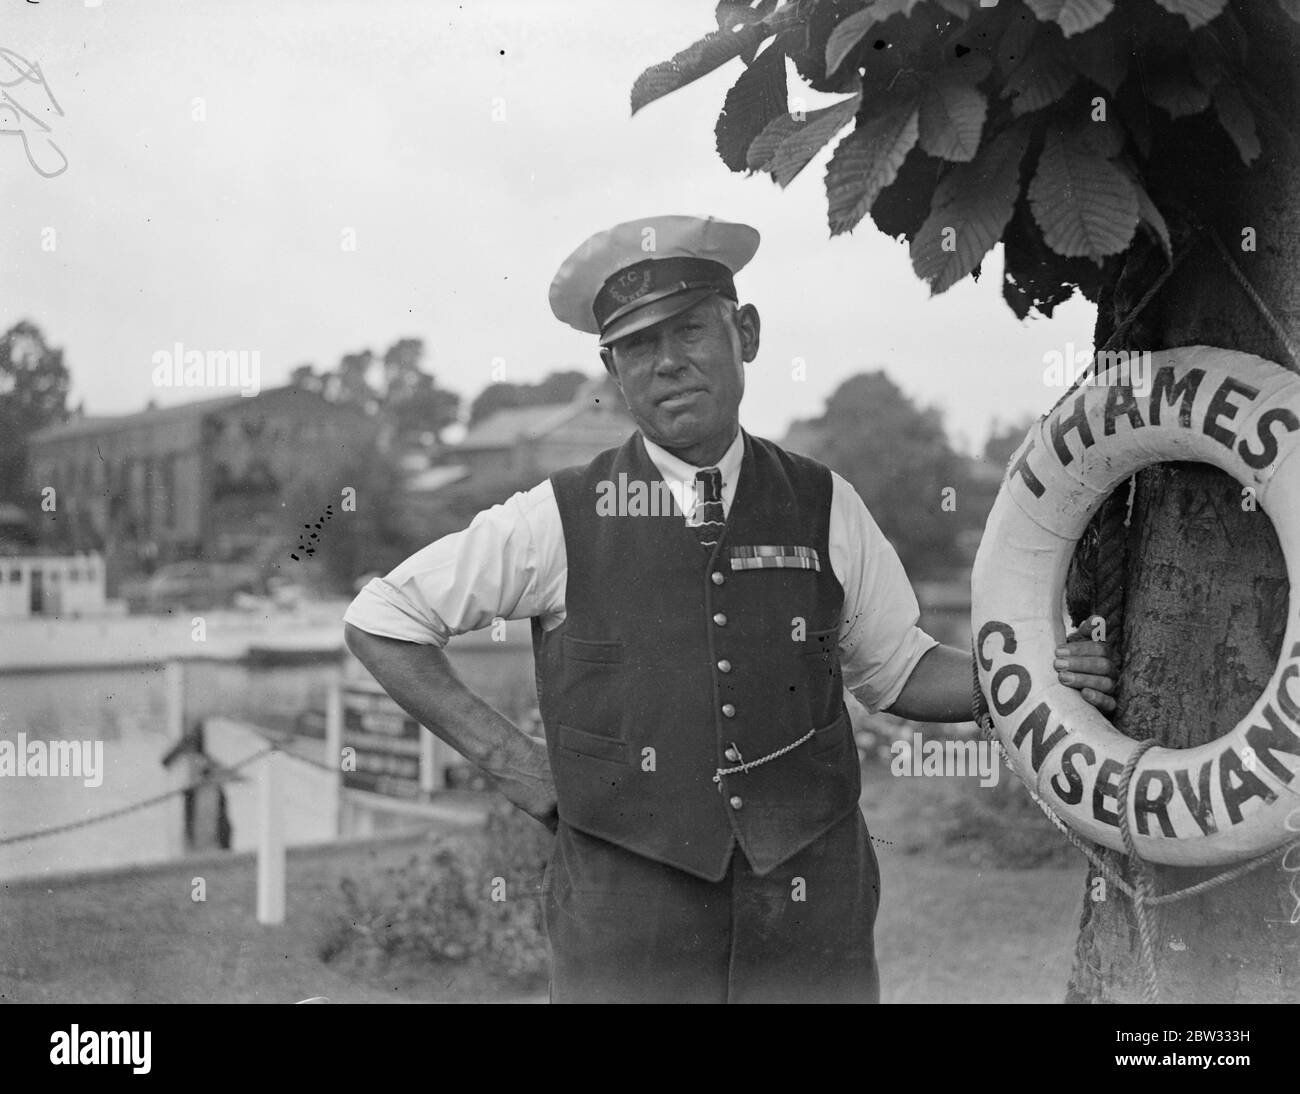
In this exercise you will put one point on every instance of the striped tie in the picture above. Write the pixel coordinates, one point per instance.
(709, 516)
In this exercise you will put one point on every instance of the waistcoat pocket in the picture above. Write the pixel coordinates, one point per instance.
(592, 745)
(585, 649)
(832, 735)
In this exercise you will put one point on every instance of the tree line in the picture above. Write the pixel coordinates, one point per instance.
(928, 499)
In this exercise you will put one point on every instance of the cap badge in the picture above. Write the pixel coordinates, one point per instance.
(631, 285)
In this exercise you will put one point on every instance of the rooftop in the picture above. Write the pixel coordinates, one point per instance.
(506, 427)
(90, 425)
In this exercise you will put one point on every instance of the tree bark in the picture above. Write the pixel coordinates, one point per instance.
(1207, 594)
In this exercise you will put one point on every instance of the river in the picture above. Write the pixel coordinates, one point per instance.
(125, 709)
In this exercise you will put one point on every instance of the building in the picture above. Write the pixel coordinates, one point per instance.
(204, 480)
(51, 585)
(529, 442)
(513, 449)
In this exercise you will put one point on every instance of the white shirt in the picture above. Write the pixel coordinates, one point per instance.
(510, 563)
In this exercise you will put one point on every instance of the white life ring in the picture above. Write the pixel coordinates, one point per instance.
(1215, 803)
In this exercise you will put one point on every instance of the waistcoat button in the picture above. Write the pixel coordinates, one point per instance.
(724, 665)
(728, 710)
(718, 579)
(732, 755)
(720, 619)
(736, 802)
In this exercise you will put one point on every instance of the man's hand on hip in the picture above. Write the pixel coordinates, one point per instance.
(421, 681)
(525, 779)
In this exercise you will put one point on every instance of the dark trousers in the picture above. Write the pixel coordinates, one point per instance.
(626, 929)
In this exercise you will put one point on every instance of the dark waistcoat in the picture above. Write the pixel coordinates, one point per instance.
(671, 654)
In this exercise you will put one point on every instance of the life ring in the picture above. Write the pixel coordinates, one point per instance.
(1215, 803)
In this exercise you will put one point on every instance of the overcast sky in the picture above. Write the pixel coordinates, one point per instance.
(322, 116)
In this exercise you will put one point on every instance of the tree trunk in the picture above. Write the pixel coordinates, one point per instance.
(1207, 595)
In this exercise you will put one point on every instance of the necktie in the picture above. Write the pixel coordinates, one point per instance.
(709, 516)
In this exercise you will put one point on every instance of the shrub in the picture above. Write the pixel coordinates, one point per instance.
(468, 898)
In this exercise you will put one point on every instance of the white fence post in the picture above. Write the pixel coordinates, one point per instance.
(334, 749)
(428, 761)
(270, 844)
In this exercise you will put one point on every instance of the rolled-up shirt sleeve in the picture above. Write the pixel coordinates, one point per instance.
(508, 564)
(880, 641)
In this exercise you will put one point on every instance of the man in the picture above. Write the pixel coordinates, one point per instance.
(698, 766)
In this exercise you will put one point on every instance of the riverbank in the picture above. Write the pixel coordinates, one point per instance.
(948, 930)
(43, 645)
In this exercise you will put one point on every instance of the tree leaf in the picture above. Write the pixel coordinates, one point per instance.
(1100, 57)
(1105, 137)
(734, 13)
(754, 100)
(1084, 204)
(1013, 45)
(1036, 277)
(991, 170)
(1042, 78)
(951, 119)
(1148, 214)
(1196, 12)
(762, 149)
(737, 13)
(1072, 16)
(846, 36)
(975, 201)
(865, 162)
(1177, 95)
(1206, 57)
(808, 138)
(1033, 276)
(1135, 112)
(710, 52)
(969, 68)
(1236, 117)
(1231, 36)
(901, 207)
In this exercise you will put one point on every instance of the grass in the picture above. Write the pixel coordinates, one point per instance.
(140, 938)
(955, 924)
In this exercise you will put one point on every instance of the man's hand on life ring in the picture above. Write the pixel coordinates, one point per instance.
(1087, 666)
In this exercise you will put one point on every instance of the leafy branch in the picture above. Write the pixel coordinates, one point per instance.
(1037, 123)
